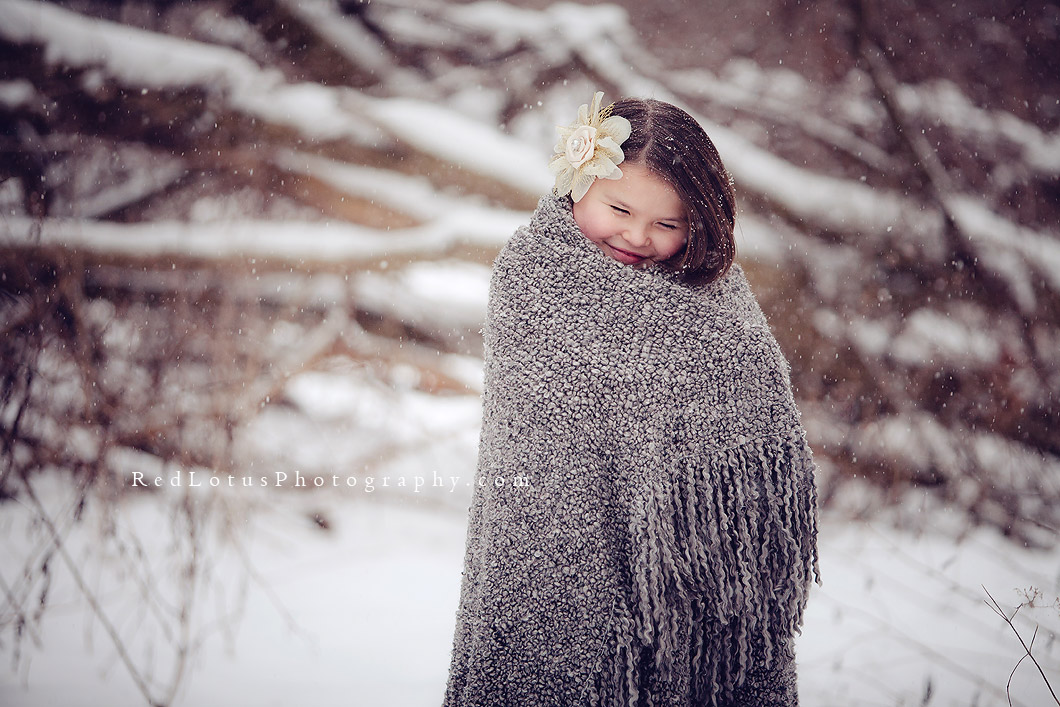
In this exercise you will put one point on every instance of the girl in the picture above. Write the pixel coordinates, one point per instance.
(643, 524)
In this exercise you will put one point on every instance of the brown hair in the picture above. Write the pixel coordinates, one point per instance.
(670, 143)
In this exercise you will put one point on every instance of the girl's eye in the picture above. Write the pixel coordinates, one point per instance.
(619, 209)
(668, 226)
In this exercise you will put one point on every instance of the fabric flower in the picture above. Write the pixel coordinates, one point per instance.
(589, 148)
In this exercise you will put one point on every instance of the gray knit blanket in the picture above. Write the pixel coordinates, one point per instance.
(643, 524)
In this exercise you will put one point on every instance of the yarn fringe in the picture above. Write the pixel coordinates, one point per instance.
(723, 555)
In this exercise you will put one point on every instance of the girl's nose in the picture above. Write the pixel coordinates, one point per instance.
(637, 236)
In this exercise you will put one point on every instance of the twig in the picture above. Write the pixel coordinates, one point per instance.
(314, 345)
(939, 657)
(938, 179)
(93, 603)
(191, 576)
(26, 622)
(1027, 648)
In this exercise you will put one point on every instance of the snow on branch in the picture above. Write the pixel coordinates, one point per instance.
(301, 242)
(739, 92)
(152, 61)
(463, 142)
(354, 41)
(942, 102)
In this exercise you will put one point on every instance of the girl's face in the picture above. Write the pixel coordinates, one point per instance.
(636, 220)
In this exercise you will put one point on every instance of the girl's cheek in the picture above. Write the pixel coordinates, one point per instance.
(593, 221)
(582, 223)
(595, 229)
(586, 227)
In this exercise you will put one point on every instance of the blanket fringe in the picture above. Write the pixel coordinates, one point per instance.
(722, 558)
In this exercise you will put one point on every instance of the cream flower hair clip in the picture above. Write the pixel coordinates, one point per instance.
(589, 148)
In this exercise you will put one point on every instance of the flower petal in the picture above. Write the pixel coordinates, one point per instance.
(581, 184)
(617, 128)
(564, 132)
(563, 182)
(599, 166)
(558, 163)
(610, 148)
(594, 111)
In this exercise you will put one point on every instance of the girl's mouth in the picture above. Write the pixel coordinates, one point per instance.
(625, 256)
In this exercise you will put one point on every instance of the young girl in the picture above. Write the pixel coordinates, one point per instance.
(643, 524)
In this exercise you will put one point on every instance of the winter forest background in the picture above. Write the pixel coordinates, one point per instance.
(251, 240)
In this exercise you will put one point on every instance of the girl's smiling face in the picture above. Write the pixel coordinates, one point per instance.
(637, 220)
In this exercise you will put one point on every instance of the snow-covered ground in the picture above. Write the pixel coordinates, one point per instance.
(360, 614)
(902, 619)
(363, 614)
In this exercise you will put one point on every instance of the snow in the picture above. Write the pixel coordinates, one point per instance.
(408, 20)
(901, 617)
(1010, 249)
(366, 610)
(583, 26)
(363, 612)
(155, 61)
(953, 339)
(365, 430)
(161, 174)
(556, 32)
(16, 94)
(934, 338)
(746, 87)
(412, 195)
(943, 101)
(136, 56)
(830, 203)
(466, 143)
(349, 38)
(302, 241)
(843, 205)
(870, 338)
(505, 24)
(759, 240)
(235, 32)
(442, 297)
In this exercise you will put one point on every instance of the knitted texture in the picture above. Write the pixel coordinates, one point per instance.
(643, 524)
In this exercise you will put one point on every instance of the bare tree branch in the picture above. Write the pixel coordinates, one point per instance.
(1027, 648)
